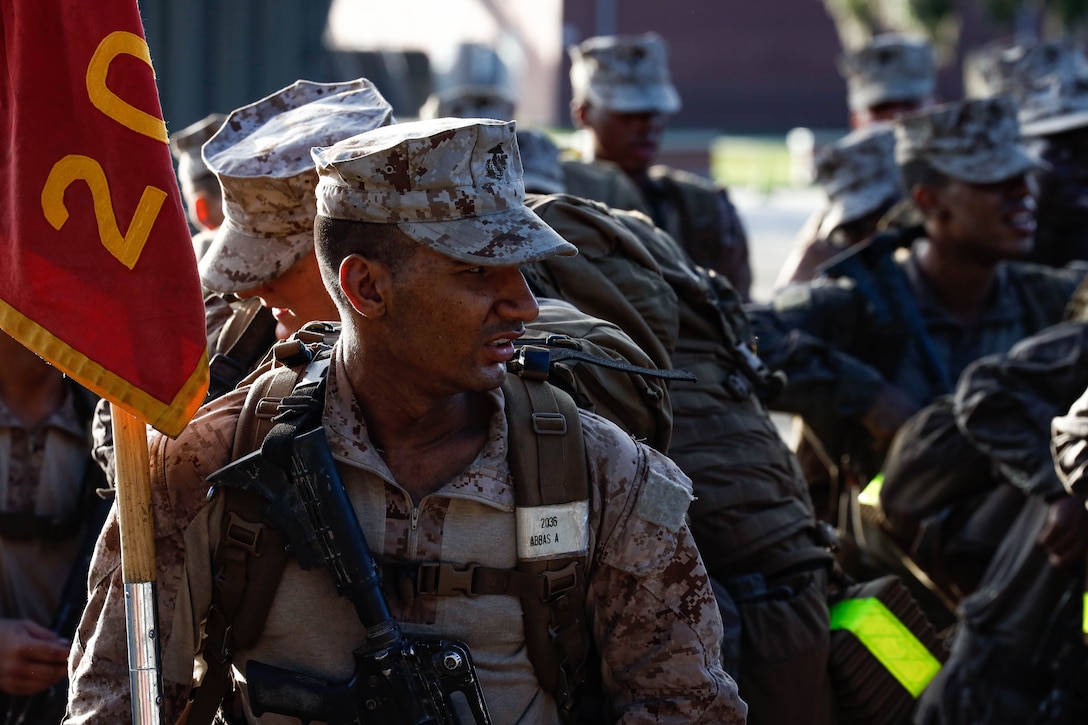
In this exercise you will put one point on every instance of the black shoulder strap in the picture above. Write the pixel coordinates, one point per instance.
(244, 340)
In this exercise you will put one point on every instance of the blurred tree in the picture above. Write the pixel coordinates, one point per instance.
(859, 20)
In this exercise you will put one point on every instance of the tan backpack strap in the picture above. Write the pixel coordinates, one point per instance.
(548, 465)
(247, 568)
(260, 407)
(248, 563)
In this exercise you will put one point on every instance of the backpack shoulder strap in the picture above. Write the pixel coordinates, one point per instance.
(244, 339)
(249, 561)
(548, 465)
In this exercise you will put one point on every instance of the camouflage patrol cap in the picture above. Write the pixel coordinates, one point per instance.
(451, 184)
(261, 155)
(892, 67)
(186, 143)
(470, 101)
(541, 168)
(624, 74)
(1055, 104)
(858, 174)
(1005, 67)
(975, 141)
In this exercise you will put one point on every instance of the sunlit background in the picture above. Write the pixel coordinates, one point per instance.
(758, 78)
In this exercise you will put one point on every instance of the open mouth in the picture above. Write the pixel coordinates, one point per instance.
(1022, 220)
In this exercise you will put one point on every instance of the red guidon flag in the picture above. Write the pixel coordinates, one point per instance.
(97, 269)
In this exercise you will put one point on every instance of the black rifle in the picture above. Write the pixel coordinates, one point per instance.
(872, 267)
(397, 679)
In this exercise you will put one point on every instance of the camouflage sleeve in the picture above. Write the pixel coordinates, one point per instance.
(807, 332)
(1005, 403)
(1069, 447)
(653, 614)
(99, 689)
(733, 260)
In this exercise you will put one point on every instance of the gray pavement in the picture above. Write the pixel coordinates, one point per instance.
(772, 221)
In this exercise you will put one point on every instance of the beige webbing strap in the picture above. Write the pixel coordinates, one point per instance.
(248, 566)
(249, 560)
(548, 465)
(547, 452)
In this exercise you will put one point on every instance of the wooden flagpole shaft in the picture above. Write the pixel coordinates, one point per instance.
(138, 565)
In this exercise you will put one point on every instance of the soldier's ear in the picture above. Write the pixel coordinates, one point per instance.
(203, 211)
(578, 114)
(364, 283)
(926, 200)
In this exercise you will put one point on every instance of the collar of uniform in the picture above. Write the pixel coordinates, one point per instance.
(486, 479)
(1000, 307)
(63, 417)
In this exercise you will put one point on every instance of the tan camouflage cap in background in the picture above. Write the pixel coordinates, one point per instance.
(1048, 79)
(261, 156)
(541, 168)
(1055, 104)
(1014, 67)
(623, 74)
(891, 67)
(859, 176)
(186, 143)
(454, 185)
(470, 101)
(976, 140)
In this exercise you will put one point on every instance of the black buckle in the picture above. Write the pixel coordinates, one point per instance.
(446, 578)
(218, 630)
(244, 534)
(556, 582)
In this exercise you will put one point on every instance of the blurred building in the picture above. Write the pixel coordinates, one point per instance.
(741, 66)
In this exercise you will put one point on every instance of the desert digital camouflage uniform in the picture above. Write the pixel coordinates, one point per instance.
(48, 507)
(629, 74)
(752, 517)
(605, 182)
(656, 625)
(825, 336)
(454, 186)
(41, 480)
(859, 177)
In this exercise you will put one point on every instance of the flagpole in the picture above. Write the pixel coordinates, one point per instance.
(138, 565)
